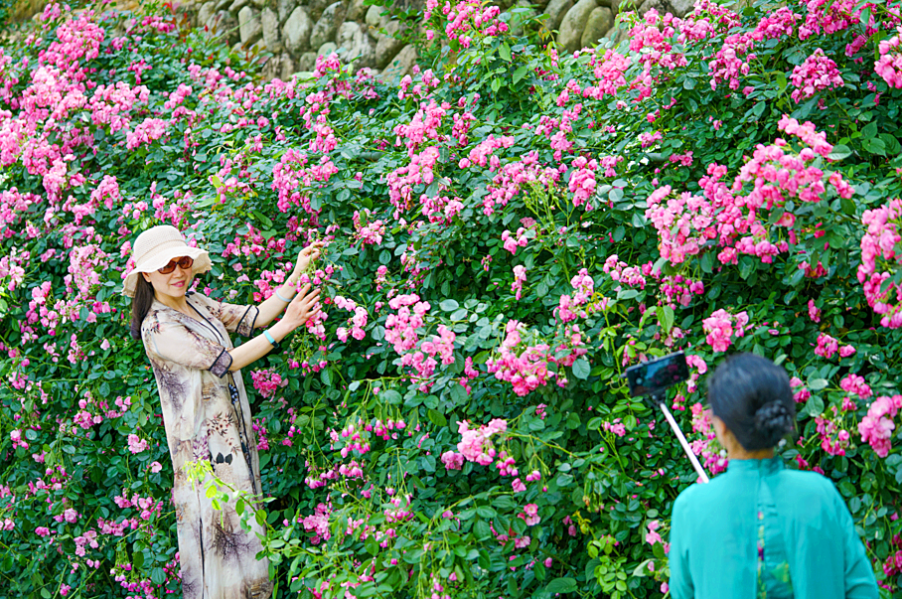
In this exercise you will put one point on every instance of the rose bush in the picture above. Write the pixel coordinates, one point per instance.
(508, 229)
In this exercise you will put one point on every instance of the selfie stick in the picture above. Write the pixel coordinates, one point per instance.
(676, 429)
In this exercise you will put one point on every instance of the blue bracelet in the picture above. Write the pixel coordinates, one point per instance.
(270, 339)
(287, 301)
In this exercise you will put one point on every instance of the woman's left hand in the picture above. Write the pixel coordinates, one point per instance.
(308, 255)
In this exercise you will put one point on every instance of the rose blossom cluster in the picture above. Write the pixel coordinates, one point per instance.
(889, 66)
(569, 306)
(721, 326)
(475, 444)
(876, 428)
(356, 322)
(519, 280)
(622, 272)
(526, 370)
(737, 221)
(879, 242)
(827, 346)
(816, 74)
(513, 176)
(267, 382)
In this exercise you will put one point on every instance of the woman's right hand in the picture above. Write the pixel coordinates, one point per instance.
(302, 308)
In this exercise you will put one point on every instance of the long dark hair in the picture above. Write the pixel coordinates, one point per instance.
(140, 305)
(752, 396)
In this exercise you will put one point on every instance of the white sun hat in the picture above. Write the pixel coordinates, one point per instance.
(153, 250)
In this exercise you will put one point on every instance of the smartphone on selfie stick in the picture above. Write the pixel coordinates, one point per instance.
(652, 378)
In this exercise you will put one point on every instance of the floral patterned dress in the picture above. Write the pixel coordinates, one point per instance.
(207, 416)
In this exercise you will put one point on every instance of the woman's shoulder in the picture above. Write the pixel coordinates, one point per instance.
(807, 480)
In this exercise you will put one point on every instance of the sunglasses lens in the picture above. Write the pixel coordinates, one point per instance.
(185, 262)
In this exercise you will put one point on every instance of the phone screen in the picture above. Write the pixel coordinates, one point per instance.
(656, 375)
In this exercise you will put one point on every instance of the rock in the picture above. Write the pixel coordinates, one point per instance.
(296, 31)
(327, 25)
(271, 69)
(249, 25)
(237, 5)
(681, 8)
(647, 5)
(318, 7)
(574, 24)
(615, 7)
(356, 45)
(600, 21)
(287, 67)
(607, 3)
(205, 14)
(357, 10)
(373, 16)
(388, 45)
(307, 61)
(555, 12)
(285, 7)
(270, 21)
(222, 4)
(401, 65)
(222, 25)
(259, 3)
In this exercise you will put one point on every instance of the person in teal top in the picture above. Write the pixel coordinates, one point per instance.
(759, 530)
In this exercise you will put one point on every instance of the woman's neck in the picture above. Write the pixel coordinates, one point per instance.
(738, 453)
(179, 304)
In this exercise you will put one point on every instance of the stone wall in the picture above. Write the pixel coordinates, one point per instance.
(297, 31)
(583, 23)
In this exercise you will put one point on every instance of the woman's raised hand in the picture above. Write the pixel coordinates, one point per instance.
(308, 255)
(302, 308)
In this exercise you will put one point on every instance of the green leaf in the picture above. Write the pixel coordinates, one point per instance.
(581, 369)
(449, 305)
(437, 418)
(815, 405)
(817, 384)
(390, 396)
(561, 585)
(520, 73)
(839, 152)
(874, 145)
(666, 316)
(505, 52)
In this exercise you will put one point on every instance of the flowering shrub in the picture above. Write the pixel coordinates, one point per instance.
(508, 229)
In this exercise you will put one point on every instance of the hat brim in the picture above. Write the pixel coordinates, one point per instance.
(202, 263)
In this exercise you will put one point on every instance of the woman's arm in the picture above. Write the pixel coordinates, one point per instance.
(272, 307)
(304, 306)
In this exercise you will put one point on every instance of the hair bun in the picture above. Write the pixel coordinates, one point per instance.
(774, 420)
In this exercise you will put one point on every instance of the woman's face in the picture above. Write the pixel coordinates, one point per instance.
(174, 284)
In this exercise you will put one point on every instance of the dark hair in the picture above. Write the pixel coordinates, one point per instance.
(752, 396)
(140, 305)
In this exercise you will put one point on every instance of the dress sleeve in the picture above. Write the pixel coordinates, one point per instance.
(177, 343)
(235, 317)
(860, 582)
(681, 586)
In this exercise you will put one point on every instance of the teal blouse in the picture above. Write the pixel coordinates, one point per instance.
(759, 531)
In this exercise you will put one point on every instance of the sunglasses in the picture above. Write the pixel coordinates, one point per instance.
(184, 262)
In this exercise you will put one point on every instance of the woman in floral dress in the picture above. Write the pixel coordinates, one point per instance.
(204, 404)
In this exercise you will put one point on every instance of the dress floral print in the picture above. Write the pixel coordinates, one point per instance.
(207, 417)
